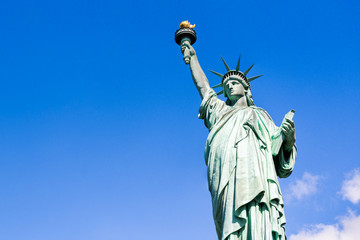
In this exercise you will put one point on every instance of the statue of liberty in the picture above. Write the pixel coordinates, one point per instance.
(245, 154)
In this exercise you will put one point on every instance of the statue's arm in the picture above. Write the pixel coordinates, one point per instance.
(198, 75)
(285, 162)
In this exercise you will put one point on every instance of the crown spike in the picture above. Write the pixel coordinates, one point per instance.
(238, 64)
(253, 78)
(217, 74)
(216, 86)
(221, 92)
(227, 67)
(246, 72)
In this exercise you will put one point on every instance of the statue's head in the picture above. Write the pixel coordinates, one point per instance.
(235, 84)
(235, 87)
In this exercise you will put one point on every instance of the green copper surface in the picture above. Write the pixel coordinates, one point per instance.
(238, 64)
(217, 74)
(227, 66)
(248, 70)
(245, 153)
(253, 78)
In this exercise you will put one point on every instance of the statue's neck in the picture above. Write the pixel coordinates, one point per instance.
(241, 102)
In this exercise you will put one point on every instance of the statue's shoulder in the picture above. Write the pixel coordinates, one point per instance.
(262, 111)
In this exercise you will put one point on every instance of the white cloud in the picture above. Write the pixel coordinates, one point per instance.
(351, 187)
(305, 186)
(347, 229)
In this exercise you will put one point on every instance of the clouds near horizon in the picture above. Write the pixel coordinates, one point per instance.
(346, 227)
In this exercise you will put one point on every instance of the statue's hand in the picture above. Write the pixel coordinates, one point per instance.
(188, 51)
(187, 45)
(288, 129)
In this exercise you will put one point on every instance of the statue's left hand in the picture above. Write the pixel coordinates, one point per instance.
(188, 51)
(185, 45)
(288, 129)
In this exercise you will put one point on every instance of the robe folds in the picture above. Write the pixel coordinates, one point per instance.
(242, 170)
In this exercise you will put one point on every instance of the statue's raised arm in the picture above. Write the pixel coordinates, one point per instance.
(198, 75)
(185, 36)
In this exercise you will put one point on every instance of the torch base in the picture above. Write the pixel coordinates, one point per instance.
(185, 33)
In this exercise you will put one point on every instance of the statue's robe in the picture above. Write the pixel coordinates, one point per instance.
(242, 168)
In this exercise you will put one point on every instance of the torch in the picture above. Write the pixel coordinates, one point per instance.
(185, 33)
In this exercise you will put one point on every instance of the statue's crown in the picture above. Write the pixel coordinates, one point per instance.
(237, 72)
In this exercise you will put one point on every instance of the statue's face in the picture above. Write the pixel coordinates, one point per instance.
(234, 89)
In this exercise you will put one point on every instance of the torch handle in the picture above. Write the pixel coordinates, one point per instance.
(187, 56)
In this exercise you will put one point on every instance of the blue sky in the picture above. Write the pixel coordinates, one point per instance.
(99, 132)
